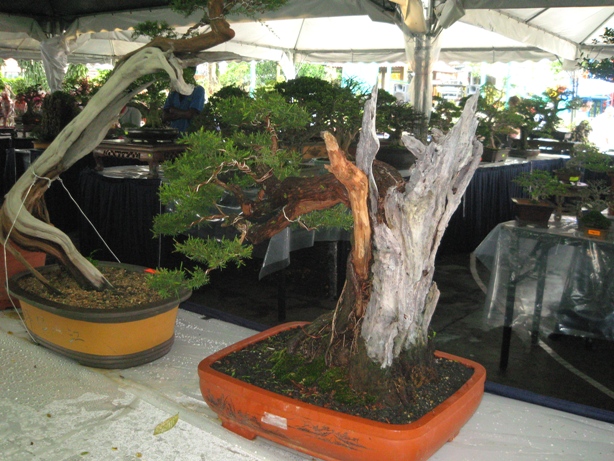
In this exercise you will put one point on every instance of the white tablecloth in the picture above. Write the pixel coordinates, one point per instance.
(54, 409)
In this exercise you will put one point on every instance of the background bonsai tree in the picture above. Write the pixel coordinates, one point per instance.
(58, 110)
(532, 112)
(379, 332)
(540, 185)
(558, 99)
(394, 117)
(496, 119)
(602, 69)
(594, 219)
(444, 115)
(334, 107)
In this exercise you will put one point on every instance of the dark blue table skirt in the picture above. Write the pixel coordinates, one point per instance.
(123, 210)
(488, 202)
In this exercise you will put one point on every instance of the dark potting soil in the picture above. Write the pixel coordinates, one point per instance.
(254, 365)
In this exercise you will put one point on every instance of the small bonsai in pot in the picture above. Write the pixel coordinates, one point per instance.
(594, 224)
(496, 119)
(540, 186)
(57, 110)
(593, 196)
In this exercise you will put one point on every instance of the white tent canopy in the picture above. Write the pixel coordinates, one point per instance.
(344, 31)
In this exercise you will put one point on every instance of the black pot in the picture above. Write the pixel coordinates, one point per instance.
(396, 156)
(152, 135)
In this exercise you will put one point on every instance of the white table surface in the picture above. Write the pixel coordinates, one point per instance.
(54, 409)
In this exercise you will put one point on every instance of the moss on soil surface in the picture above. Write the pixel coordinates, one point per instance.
(258, 363)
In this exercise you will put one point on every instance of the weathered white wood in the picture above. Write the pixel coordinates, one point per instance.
(368, 145)
(77, 140)
(403, 295)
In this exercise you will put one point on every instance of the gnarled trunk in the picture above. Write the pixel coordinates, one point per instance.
(23, 217)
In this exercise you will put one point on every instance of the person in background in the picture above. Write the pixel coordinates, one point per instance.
(179, 109)
(7, 108)
(130, 117)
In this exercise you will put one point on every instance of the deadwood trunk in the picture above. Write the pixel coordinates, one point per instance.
(380, 329)
(23, 217)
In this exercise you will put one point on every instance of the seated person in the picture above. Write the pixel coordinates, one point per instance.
(179, 109)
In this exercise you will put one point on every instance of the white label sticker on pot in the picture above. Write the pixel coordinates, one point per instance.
(275, 420)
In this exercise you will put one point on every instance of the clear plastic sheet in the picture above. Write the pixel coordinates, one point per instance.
(557, 280)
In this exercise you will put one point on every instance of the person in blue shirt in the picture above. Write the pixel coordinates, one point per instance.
(179, 109)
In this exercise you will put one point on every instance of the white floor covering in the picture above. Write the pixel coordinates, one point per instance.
(51, 408)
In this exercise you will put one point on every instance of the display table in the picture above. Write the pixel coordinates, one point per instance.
(552, 146)
(555, 280)
(53, 408)
(151, 153)
(488, 200)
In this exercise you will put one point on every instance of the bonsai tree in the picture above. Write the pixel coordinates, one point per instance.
(58, 109)
(602, 69)
(581, 132)
(593, 197)
(588, 156)
(379, 332)
(557, 99)
(540, 185)
(444, 115)
(334, 107)
(394, 117)
(594, 219)
(532, 112)
(496, 119)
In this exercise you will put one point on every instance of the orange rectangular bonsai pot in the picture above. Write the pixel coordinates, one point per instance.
(251, 411)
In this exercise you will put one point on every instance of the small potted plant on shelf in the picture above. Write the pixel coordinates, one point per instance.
(496, 122)
(540, 186)
(594, 224)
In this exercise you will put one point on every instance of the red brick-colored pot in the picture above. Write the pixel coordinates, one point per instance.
(250, 411)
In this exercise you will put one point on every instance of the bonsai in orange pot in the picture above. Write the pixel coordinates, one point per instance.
(378, 337)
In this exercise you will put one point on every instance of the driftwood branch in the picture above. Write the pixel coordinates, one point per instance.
(219, 33)
(22, 215)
